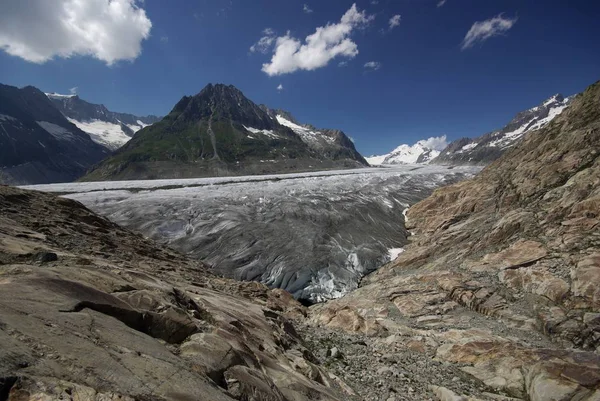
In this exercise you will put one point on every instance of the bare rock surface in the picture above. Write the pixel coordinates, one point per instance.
(111, 316)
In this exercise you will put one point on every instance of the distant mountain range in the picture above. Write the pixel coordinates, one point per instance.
(37, 143)
(108, 128)
(221, 132)
(481, 150)
(489, 147)
(421, 152)
(218, 132)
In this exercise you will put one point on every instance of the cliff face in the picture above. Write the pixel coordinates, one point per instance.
(502, 277)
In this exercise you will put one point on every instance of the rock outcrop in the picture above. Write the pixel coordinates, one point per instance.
(90, 311)
(501, 279)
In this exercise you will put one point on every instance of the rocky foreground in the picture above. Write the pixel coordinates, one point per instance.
(90, 311)
(496, 298)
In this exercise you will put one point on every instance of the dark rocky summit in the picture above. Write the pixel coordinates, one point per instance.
(37, 143)
(220, 132)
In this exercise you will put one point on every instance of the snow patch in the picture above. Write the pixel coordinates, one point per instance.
(5, 117)
(307, 135)
(394, 252)
(265, 132)
(104, 133)
(57, 131)
(59, 96)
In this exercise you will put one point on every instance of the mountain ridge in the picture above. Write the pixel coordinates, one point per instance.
(108, 128)
(490, 146)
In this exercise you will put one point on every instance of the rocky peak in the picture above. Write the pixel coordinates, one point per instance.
(223, 102)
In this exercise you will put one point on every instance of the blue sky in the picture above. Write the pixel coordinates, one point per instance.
(426, 83)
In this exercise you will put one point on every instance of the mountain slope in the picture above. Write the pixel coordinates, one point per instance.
(421, 152)
(37, 143)
(331, 143)
(501, 277)
(105, 127)
(489, 147)
(216, 132)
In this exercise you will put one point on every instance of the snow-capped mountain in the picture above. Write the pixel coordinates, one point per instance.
(489, 147)
(421, 152)
(37, 143)
(220, 132)
(108, 128)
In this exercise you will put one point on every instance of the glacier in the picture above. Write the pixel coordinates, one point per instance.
(313, 234)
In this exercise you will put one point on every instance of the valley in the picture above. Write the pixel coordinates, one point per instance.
(314, 235)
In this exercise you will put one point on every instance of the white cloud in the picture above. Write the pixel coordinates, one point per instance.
(327, 43)
(374, 2)
(395, 21)
(373, 65)
(73, 90)
(441, 3)
(164, 39)
(436, 142)
(280, 87)
(264, 44)
(343, 64)
(39, 30)
(307, 9)
(483, 30)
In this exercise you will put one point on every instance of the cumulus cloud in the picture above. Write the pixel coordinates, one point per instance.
(441, 3)
(395, 21)
(307, 9)
(265, 43)
(280, 87)
(343, 64)
(39, 30)
(373, 65)
(436, 142)
(483, 30)
(318, 49)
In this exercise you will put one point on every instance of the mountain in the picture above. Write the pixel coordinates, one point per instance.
(490, 146)
(421, 152)
(500, 279)
(220, 132)
(37, 143)
(108, 128)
